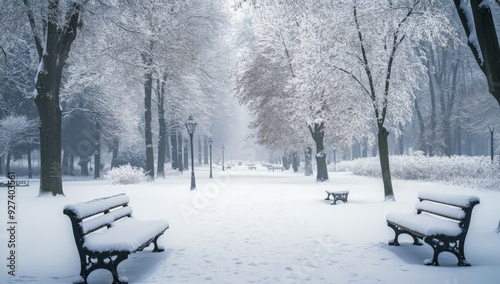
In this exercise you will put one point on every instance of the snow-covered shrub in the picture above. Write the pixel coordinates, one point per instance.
(479, 172)
(125, 174)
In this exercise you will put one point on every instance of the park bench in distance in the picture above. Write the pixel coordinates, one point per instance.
(252, 167)
(106, 233)
(274, 167)
(442, 221)
(337, 195)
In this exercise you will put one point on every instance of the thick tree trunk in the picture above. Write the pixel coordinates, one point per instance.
(308, 171)
(383, 149)
(318, 134)
(53, 51)
(148, 89)
(488, 55)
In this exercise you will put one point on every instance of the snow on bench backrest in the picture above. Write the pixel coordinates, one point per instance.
(441, 210)
(105, 220)
(458, 200)
(85, 209)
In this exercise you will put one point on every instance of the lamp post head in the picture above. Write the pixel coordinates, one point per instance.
(210, 142)
(190, 125)
(222, 148)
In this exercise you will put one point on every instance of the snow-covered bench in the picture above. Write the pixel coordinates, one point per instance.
(274, 167)
(442, 221)
(337, 195)
(106, 233)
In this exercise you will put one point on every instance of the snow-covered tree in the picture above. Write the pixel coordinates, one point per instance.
(54, 26)
(477, 20)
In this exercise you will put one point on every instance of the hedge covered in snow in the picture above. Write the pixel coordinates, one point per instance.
(478, 172)
(125, 174)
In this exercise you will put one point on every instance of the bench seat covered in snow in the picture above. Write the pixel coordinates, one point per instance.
(106, 233)
(442, 221)
(337, 195)
(274, 167)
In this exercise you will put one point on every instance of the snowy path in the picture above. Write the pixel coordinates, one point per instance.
(259, 227)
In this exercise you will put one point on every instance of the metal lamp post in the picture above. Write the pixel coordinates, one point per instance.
(210, 142)
(191, 125)
(222, 148)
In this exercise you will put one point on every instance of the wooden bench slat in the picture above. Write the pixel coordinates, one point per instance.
(96, 206)
(127, 235)
(425, 224)
(458, 200)
(105, 220)
(440, 210)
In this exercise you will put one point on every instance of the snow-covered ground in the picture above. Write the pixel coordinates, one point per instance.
(253, 226)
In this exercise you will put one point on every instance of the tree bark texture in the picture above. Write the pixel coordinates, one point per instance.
(488, 56)
(30, 169)
(383, 149)
(148, 89)
(162, 135)
(317, 132)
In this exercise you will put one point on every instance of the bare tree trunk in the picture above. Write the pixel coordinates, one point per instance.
(148, 89)
(162, 135)
(383, 149)
(7, 164)
(175, 151)
(30, 170)
(205, 150)
(318, 134)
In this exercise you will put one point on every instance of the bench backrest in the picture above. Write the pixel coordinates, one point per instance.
(90, 216)
(451, 206)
